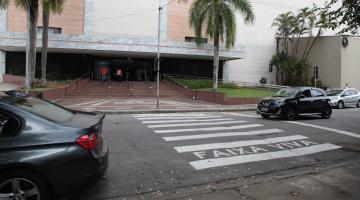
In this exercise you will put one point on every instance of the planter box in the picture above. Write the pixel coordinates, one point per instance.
(13, 79)
(214, 97)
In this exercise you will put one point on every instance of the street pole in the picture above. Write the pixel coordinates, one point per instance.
(158, 63)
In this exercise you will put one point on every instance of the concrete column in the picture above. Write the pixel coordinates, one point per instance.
(164, 22)
(88, 24)
(3, 19)
(2, 64)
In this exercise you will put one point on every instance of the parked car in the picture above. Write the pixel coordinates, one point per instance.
(47, 151)
(341, 98)
(290, 102)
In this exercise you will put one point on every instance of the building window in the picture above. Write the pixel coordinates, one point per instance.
(52, 30)
(193, 39)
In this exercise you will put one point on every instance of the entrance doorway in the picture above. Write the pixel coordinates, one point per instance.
(133, 70)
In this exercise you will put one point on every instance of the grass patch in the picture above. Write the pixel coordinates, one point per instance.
(244, 92)
(230, 89)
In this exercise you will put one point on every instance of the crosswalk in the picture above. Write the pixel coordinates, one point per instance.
(195, 128)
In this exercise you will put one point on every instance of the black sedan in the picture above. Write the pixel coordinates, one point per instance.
(290, 102)
(47, 151)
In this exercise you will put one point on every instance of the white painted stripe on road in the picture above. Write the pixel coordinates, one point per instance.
(192, 117)
(208, 128)
(195, 124)
(243, 115)
(218, 162)
(217, 135)
(200, 147)
(100, 103)
(171, 115)
(85, 103)
(327, 129)
(186, 120)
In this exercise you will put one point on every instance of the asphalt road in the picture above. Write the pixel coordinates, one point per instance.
(159, 152)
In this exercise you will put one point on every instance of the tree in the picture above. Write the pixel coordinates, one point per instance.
(218, 19)
(285, 25)
(56, 7)
(290, 28)
(32, 10)
(348, 15)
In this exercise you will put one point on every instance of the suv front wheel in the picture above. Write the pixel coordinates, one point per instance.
(326, 114)
(340, 105)
(290, 114)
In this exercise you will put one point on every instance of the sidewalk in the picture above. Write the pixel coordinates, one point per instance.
(146, 105)
(340, 183)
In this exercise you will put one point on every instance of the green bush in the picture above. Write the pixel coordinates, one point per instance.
(201, 84)
(196, 84)
(228, 85)
(263, 80)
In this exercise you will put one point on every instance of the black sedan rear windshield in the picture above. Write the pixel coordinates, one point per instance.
(44, 109)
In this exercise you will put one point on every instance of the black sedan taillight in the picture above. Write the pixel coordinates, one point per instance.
(89, 142)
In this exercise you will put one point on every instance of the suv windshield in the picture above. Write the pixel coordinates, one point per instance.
(334, 92)
(286, 93)
(44, 109)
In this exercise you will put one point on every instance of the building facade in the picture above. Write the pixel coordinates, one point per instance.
(94, 33)
(337, 59)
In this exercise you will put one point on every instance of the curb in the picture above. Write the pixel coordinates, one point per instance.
(175, 110)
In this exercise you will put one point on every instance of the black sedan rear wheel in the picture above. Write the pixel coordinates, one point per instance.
(23, 185)
(326, 113)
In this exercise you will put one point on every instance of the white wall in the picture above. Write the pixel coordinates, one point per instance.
(2, 64)
(126, 17)
(259, 39)
(350, 63)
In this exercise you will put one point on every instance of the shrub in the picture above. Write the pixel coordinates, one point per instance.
(228, 85)
(201, 84)
(263, 80)
(196, 84)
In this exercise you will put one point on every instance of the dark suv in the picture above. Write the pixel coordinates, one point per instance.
(290, 102)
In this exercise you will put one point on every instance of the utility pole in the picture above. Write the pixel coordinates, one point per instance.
(158, 62)
(316, 75)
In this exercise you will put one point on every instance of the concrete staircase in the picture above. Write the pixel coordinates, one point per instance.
(98, 89)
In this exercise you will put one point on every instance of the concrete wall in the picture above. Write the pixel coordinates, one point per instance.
(2, 64)
(259, 39)
(71, 21)
(350, 62)
(326, 54)
(178, 28)
(135, 17)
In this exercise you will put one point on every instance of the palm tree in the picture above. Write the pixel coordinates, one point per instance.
(285, 24)
(32, 10)
(56, 7)
(218, 19)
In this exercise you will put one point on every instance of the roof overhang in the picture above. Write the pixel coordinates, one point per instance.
(115, 45)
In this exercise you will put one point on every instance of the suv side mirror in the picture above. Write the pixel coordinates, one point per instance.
(343, 95)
